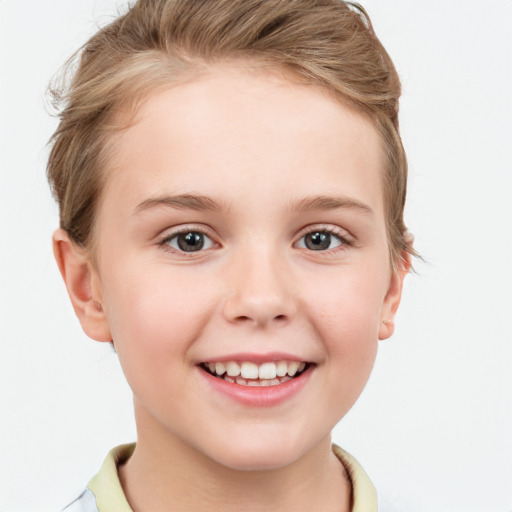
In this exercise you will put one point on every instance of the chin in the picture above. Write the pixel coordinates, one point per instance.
(257, 461)
(257, 454)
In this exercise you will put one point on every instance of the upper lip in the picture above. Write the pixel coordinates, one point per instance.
(257, 358)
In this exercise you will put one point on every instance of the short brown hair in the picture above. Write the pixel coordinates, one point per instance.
(158, 42)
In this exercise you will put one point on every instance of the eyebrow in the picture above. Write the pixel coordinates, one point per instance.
(182, 202)
(332, 203)
(204, 203)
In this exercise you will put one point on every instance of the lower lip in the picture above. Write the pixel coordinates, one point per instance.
(259, 396)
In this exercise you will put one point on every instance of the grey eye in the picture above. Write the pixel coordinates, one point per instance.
(190, 241)
(319, 241)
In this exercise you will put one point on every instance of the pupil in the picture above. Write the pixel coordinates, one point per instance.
(190, 242)
(318, 241)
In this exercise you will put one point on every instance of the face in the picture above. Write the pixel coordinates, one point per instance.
(242, 265)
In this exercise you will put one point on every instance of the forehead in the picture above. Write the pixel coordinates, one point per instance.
(250, 128)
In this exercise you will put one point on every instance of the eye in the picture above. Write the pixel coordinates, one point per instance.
(189, 241)
(319, 240)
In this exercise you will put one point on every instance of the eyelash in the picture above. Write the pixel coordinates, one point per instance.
(164, 243)
(343, 239)
(341, 235)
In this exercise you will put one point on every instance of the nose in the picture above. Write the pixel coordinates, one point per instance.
(260, 292)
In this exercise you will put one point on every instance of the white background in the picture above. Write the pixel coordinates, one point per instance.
(434, 426)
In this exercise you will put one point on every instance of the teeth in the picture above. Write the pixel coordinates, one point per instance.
(220, 368)
(249, 370)
(282, 368)
(233, 369)
(293, 368)
(267, 371)
(251, 374)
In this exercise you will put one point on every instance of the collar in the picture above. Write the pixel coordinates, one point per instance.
(110, 496)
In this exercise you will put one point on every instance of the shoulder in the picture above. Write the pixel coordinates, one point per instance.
(104, 491)
(86, 502)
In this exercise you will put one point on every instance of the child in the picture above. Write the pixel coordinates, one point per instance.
(231, 184)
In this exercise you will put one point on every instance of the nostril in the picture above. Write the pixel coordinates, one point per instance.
(248, 318)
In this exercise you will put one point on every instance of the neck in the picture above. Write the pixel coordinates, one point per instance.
(166, 474)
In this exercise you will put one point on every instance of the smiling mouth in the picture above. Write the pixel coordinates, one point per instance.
(251, 374)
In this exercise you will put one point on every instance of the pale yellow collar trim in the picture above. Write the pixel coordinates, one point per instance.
(364, 496)
(106, 485)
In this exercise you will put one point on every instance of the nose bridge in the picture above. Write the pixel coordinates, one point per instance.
(260, 290)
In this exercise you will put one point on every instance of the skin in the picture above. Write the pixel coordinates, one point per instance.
(259, 146)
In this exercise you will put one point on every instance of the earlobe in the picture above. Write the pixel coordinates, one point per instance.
(393, 296)
(81, 282)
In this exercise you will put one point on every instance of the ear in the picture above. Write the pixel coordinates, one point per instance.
(393, 296)
(83, 286)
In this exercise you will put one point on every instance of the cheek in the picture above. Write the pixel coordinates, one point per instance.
(349, 305)
(346, 318)
(345, 314)
(154, 318)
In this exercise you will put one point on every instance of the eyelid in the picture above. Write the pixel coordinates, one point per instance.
(170, 233)
(346, 238)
